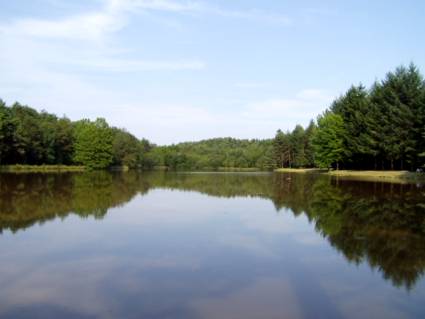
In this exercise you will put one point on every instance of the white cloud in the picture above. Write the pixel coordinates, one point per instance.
(84, 27)
(80, 40)
(199, 8)
(113, 17)
(91, 26)
(95, 29)
(53, 64)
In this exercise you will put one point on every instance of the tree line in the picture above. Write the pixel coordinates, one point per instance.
(35, 138)
(215, 154)
(382, 127)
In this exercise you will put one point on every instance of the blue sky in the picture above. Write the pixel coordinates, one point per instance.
(172, 70)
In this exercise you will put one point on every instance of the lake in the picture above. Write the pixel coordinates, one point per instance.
(210, 245)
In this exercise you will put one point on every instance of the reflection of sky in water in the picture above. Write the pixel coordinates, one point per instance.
(173, 254)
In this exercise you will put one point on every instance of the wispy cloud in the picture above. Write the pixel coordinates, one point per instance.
(93, 26)
(92, 31)
(158, 5)
(83, 27)
(60, 64)
(87, 26)
(198, 7)
(95, 29)
(114, 16)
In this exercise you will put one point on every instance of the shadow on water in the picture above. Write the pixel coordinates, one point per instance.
(382, 224)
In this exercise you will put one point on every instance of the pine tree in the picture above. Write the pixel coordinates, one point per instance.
(297, 146)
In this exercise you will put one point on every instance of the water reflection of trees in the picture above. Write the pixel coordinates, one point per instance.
(26, 199)
(380, 223)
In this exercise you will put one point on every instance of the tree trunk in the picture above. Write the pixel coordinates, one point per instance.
(392, 164)
(337, 166)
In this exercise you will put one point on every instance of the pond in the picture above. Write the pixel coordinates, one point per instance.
(210, 245)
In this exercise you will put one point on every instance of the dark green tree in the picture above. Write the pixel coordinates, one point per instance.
(297, 139)
(355, 110)
(126, 148)
(308, 144)
(399, 99)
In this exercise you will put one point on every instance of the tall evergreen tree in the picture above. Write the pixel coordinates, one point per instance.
(354, 108)
(282, 149)
(398, 98)
(298, 146)
(308, 144)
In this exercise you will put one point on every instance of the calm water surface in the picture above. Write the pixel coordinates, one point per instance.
(198, 245)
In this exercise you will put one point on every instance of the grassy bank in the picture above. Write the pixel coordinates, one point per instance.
(365, 175)
(40, 168)
(300, 170)
(210, 169)
(238, 169)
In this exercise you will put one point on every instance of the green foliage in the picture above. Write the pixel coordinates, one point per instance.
(383, 127)
(93, 144)
(399, 100)
(6, 132)
(353, 107)
(329, 140)
(308, 144)
(282, 149)
(126, 148)
(294, 149)
(214, 154)
(28, 137)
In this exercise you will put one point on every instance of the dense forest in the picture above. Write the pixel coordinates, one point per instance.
(378, 128)
(35, 138)
(217, 153)
(382, 127)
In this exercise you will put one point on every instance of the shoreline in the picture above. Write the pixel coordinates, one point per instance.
(40, 168)
(394, 176)
(361, 174)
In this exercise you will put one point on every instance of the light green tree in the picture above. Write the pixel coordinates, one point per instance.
(93, 144)
(328, 140)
